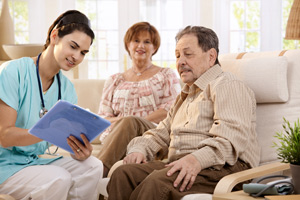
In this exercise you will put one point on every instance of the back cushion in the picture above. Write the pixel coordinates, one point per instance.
(269, 116)
(266, 76)
(89, 93)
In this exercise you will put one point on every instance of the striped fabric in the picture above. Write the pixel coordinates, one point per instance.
(214, 119)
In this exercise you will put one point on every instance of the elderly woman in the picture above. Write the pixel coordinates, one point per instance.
(139, 98)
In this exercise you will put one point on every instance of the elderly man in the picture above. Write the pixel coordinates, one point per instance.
(208, 133)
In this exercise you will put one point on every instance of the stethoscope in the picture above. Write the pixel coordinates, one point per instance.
(43, 111)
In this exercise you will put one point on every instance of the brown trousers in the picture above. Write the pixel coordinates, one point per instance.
(123, 131)
(149, 181)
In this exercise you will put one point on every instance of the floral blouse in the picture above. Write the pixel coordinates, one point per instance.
(124, 98)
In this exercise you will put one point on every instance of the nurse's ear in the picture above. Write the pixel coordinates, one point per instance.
(54, 36)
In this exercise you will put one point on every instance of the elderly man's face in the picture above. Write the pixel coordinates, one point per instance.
(191, 61)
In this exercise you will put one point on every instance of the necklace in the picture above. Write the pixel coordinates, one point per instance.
(140, 73)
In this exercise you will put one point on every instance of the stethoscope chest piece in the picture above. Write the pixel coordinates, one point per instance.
(43, 111)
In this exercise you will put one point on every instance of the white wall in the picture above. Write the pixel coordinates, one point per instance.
(42, 14)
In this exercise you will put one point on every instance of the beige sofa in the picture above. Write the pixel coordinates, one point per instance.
(274, 77)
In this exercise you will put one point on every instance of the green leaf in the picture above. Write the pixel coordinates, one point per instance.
(288, 145)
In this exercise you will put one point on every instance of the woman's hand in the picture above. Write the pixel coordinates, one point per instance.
(157, 115)
(112, 119)
(81, 151)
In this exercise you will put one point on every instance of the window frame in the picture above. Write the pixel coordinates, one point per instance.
(212, 14)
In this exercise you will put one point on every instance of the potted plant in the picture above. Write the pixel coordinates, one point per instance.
(288, 149)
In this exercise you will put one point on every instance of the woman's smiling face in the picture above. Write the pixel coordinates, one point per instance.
(141, 47)
(70, 50)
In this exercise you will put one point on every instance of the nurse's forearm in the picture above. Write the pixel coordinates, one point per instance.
(13, 136)
(10, 135)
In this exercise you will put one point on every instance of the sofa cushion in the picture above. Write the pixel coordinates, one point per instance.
(89, 93)
(266, 76)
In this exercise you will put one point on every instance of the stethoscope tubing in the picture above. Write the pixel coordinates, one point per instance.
(44, 110)
(40, 85)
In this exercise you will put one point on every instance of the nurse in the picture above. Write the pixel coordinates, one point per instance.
(28, 88)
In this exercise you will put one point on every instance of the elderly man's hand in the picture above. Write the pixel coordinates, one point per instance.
(188, 167)
(135, 157)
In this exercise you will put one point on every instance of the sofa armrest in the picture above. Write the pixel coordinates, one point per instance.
(226, 184)
(115, 166)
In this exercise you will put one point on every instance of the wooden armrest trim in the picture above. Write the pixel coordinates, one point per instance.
(115, 166)
(240, 55)
(226, 184)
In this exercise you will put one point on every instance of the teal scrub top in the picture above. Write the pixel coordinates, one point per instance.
(19, 89)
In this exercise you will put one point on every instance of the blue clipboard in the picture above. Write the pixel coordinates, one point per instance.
(65, 119)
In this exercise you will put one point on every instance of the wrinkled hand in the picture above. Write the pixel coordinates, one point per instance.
(135, 157)
(188, 167)
(81, 151)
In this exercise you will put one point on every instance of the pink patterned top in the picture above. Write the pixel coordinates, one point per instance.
(124, 98)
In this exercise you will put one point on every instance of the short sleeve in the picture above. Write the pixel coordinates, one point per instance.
(9, 85)
(105, 108)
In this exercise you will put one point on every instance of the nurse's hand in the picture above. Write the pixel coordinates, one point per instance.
(81, 151)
